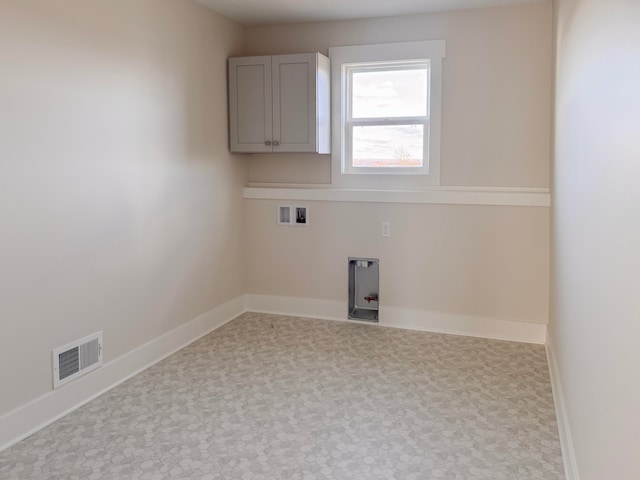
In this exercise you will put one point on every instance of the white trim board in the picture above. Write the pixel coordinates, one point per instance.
(403, 318)
(566, 440)
(506, 196)
(37, 414)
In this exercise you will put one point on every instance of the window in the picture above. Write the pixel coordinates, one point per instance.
(387, 118)
(386, 114)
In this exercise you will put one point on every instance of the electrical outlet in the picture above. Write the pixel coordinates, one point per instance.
(386, 229)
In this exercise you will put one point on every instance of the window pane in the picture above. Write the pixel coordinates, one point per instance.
(391, 93)
(388, 146)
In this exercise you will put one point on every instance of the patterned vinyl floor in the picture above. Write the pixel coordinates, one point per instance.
(272, 397)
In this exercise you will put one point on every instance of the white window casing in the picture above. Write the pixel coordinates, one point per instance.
(345, 61)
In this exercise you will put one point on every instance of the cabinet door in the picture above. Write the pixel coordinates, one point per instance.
(250, 104)
(294, 103)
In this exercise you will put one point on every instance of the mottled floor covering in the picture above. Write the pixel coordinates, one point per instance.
(272, 397)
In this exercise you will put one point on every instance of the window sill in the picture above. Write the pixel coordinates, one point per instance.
(506, 196)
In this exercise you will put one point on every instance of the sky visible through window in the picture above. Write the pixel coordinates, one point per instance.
(389, 94)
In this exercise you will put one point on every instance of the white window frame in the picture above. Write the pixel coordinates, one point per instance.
(344, 61)
(350, 122)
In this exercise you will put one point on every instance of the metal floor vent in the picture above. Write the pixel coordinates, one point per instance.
(76, 359)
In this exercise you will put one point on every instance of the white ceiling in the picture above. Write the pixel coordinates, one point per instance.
(262, 12)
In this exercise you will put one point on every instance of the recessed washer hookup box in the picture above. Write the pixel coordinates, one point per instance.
(364, 282)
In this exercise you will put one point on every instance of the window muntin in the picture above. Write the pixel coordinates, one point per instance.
(386, 122)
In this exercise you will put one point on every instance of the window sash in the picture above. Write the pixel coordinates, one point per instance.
(384, 67)
(348, 167)
(350, 122)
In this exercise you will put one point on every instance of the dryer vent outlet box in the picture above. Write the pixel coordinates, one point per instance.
(364, 281)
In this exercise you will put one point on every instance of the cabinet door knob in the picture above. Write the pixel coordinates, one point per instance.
(267, 142)
(276, 143)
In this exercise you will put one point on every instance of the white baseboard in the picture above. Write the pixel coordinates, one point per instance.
(566, 441)
(403, 318)
(296, 307)
(471, 326)
(37, 414)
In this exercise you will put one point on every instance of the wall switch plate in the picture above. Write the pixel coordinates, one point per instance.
(386, 229)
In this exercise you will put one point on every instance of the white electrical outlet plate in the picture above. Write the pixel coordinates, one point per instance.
(386, 229)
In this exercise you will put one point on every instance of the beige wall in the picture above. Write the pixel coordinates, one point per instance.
(480, 261)
(488, 262)
(595, 316)
(496, 90)
(120, 206)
